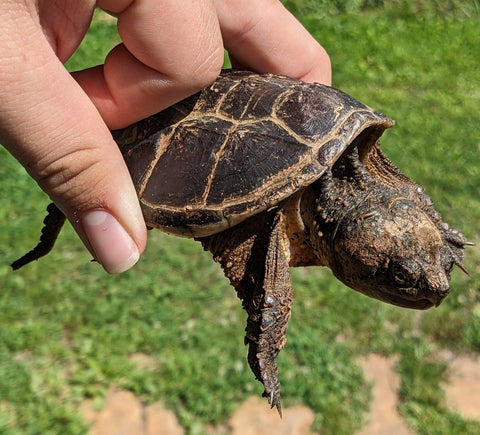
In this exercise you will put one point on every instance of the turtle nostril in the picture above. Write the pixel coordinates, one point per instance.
(441, 292)
(437, 286)
(442, 286)
(444, 289)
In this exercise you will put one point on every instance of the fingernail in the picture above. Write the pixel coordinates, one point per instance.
(114, 248)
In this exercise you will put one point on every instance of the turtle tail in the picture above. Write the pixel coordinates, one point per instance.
(53, 223)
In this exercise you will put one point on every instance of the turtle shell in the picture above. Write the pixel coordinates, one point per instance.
(239, 147)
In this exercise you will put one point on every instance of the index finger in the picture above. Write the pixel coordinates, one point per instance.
(263, 36)
(170, 50)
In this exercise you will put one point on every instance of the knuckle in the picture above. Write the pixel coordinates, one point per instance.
(245, 16)
(321, 55)
(68, 176)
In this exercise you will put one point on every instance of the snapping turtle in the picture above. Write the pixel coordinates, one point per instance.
(268, 172)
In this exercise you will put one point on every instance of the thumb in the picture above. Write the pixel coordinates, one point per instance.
(50, 125)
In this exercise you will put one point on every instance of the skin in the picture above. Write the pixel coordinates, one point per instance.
(57, 124)
(383, 245)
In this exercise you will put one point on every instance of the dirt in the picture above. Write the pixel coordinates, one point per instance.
(383, 416)
(463, 388)
(124, 414)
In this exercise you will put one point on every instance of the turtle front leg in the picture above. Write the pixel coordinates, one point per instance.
(253, 256)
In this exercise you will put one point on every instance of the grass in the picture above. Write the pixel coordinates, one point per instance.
(69, 330)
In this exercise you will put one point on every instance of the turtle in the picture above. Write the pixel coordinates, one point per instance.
(268, 173)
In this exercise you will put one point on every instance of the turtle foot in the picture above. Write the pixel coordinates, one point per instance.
(253, 257)
(264, 366)
(268, 314)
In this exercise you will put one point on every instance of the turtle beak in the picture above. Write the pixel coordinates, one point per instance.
(436, 287)
(429, 292)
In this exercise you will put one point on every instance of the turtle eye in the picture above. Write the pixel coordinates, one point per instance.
(405, 274)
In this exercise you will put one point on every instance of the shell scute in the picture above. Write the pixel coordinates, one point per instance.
(311, 115)
(251, 99)
(254, 155)
(181, 174)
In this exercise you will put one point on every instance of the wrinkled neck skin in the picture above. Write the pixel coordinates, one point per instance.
(379, 234)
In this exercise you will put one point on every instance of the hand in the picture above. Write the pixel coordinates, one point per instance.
(57, 124)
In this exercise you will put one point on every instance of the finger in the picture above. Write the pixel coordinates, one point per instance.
(263, 36)
(64, 23)
(49, 124)
(170, 50)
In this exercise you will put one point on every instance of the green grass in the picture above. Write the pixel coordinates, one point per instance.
(68, 329)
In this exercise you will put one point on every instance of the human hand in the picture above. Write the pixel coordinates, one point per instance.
(57, 124)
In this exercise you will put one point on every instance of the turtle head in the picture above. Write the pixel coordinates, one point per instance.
(387, 247)
(394, 253)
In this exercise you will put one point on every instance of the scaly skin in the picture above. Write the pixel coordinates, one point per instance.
(253, 256)
(53, 224)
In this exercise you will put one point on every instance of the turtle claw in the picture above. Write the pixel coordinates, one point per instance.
(274, 401)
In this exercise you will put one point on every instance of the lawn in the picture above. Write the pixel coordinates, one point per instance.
(69, 330)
